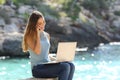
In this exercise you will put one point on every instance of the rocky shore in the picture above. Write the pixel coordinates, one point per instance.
(87, 30)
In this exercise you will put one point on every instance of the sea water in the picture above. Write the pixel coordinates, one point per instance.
(100, 64)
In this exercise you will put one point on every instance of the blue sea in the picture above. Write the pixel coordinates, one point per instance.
(102, 63)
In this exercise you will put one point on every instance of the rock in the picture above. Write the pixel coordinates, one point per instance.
(116, 23)
(11, 28)
(10, 3)
(87, 30)
(20, 24)
(6, 12)
(53, 27)
(1, 43)
(54, 43)
(84, 34)
(65, 21)
(2, 22)
(12, 44)
(25, 9)
(108, 30)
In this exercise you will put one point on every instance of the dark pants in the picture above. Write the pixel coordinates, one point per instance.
(63, 70)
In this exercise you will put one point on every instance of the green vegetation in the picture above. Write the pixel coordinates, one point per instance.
(97, 6)
(66, 8)
(70, 7)
(73, 7)
(48, 11)
(2, 2)
(39, 4)
(26, 2)
(117, 13)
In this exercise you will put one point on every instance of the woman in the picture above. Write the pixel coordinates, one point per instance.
(36, 42)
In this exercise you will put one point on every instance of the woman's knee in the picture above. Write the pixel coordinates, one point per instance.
(71, 65)
(65, 66)
(34, 73)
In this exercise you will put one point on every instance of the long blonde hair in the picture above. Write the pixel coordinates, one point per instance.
(31, 31)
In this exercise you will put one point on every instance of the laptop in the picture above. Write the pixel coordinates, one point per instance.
(65, 52)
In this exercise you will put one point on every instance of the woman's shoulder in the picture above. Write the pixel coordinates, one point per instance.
(47, 34)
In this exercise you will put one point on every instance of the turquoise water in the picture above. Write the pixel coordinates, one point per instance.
(101, 64)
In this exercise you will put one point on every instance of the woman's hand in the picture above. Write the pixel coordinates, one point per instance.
(38, 28)
(52, 57)
(40, 24)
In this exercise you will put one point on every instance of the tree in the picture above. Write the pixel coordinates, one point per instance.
(97, 6)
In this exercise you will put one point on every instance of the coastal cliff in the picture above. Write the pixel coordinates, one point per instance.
(87, 29)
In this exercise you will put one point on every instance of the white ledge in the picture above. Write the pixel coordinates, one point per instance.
(40, 79)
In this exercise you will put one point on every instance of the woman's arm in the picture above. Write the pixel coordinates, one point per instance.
(36, 48)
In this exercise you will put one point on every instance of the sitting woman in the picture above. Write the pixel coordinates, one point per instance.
(36, 42)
